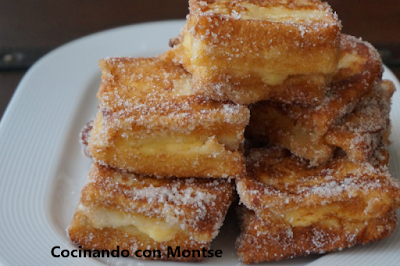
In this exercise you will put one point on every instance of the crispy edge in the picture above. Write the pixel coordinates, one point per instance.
(103, 148)
(370, 178)
(88, 237)
(260, 241)
(103, 190)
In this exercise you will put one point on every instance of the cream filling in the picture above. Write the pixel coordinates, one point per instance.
(187, 43)
(330, 215)
(156, 229)
(158, 146)
(159, 143)
(348, 60)
(182, 87)
(273, 79)
(249, 11)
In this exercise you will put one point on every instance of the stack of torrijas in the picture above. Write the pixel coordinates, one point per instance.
(167, 141)
(161, 161)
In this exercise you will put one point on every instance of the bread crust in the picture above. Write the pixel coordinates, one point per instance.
(260, 241)
(355, 94)
(360, 132)
(229, 50)
(295, 204)
(196, 208)
(278, 181)
(150, 122)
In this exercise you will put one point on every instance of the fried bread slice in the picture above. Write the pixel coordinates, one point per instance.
(150, 122)
(246, 51)
(261, 241)
(141, 212)
(359, 133)
(303, 130)
(334, 206)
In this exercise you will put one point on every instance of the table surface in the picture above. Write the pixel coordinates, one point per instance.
(47, 24)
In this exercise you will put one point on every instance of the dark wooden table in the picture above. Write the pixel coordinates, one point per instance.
(47, 24)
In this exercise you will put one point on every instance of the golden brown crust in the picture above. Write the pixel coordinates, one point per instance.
(360, 132)
(302, 89)
(197, 206)
(315, 132)
(350, 85)
(197, 203)
(260, 241)
(296, 209)
(150, 122)
(278, 182)
(229, 49)
(89, 237)
(306, 46)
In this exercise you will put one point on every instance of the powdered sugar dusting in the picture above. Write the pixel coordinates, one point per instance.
(145, 95)
(277, 181)
(189, 202)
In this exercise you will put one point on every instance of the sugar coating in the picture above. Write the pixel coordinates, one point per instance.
(247, 51)
(196, 204)
(370, 115)
(261, 241)
(360, 132)
(150, 122)
(351, 83)
(298, 207)
(299, 12)
(89, 237)
(158, 99)
(278, 183)
(290, 179)
(315, 132)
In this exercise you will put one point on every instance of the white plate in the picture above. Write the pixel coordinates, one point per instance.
(42, 169)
